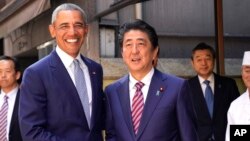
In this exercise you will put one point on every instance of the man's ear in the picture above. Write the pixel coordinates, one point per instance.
(156, 53)
(18, 75)
(52, 31)
(87, 29)
(192, 62)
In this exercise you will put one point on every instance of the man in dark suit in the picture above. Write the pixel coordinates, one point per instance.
(146, 104)
(61, 95)
(211, 121)
(9, 75)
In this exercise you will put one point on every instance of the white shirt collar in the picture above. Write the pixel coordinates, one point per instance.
(66, 59)
(248, 94)
(146, 79)
(210, 78)
(11, 94)
(78, 57)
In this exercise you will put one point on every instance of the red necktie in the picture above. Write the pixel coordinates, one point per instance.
(3, 119)
(137, 106)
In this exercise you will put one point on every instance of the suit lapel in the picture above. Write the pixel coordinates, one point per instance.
(153, 98)
(199, 98)
(217, 93)
(93, 80)
(123, 94)
(65, 82)
(14, 118)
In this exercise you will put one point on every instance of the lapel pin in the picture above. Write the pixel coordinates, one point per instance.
(161, 89)
(93, 72)
(157, 93)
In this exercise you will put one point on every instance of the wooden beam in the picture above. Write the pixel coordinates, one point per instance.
(219, 35)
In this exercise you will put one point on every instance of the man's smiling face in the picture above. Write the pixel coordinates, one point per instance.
(70, 31)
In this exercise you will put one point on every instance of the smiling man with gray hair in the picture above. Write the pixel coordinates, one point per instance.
(61, 95)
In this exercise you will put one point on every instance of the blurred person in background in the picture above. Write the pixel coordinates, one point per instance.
(211, 94)
(9, 99)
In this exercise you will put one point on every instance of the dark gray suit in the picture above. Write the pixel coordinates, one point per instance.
(14, 131)
(225, 91)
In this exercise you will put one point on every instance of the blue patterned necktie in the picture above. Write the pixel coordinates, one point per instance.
(82, 89)
(209, 97)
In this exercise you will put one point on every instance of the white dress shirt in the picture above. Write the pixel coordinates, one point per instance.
(146, 80)
(238, 112)
(67, 61)
(11, 103)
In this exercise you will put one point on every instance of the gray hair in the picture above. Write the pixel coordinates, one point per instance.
(68, 6)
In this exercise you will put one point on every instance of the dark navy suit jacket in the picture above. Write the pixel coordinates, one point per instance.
(14, 130)
(167, 115)
(50, 108)
(225, 91)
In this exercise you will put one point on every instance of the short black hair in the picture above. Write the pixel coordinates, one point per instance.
(14, 60)
(138, 25)
(203, 46)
